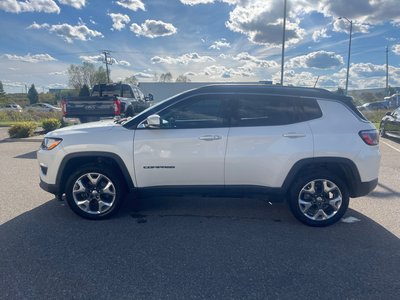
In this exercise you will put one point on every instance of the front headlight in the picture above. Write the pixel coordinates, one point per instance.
(50, 143)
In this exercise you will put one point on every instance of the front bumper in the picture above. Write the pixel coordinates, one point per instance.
(51, 188)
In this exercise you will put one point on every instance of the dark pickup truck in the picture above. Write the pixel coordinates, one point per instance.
(106, 101)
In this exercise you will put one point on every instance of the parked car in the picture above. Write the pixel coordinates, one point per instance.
(11, 107)
(378, 105)
(390, 124)
(43, 107)
(106, 101)
(283, 143)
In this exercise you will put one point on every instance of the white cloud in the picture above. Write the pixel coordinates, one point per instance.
(342, 25)
(196, 2)
(69, 32)
(396, 49)
(35, 25)
(36, 58)
(14, 6)
(253, 61)
(78, 4)
(153, 29)
(189, 74)
(94, 59)
(132, 4)
(124, 63)
(316, 60)
(261, 21)
(222, 43)
(119, 21)
(143, 75)
(320, 34)
(367, 70)
(183, 59)
(58, 73)
(219, 71)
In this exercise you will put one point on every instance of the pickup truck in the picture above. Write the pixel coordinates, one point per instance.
(106, 101)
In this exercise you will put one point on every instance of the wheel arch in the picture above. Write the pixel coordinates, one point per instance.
(342, 167)
(72, 161)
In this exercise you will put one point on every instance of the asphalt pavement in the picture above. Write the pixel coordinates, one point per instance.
(193, 247)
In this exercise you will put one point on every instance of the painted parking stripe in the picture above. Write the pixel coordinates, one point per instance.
(394, 148)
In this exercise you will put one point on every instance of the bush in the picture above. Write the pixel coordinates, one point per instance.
(375, 116)
(51, 124)
(12, 116)
(22, 130)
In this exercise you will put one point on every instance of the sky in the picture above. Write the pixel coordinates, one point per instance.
(205, 40)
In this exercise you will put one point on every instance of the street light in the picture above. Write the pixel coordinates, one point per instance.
(348, 57)
(283, 40)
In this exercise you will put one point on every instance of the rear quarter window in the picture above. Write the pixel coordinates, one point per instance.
(265, 110)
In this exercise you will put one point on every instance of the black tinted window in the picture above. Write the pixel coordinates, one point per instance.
(264, 110)
(196, 112)
(126, 91)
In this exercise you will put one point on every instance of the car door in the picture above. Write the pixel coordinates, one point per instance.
(392, 125)
(268, 135)
(187, 149)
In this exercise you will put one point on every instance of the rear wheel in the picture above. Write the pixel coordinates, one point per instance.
(94, 192)
(319, 199)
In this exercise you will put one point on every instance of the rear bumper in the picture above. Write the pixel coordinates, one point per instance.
(364, 188)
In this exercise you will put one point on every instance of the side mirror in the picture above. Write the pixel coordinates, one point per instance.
(389, 113)
(153, 121)
(150, 97)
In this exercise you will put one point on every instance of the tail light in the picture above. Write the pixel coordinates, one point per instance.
(370, 137)
(117, 107)
(64, 107)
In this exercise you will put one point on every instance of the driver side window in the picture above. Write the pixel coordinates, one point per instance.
(205, 111)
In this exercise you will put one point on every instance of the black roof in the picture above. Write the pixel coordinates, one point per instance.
(271, 89)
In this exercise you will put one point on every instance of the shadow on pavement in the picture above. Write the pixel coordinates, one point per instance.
(184, 248)
(384, 191)
(29, 155)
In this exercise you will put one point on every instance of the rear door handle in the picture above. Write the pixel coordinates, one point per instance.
(294, 135)
(210, 137)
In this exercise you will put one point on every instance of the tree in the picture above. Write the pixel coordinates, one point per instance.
(131, 80)
(84, 91)
(2, 92)
(166, 77)
(182, 78)
(33, 95)
(86, 74)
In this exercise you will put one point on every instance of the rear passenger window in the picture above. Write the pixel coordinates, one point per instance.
(264, 110)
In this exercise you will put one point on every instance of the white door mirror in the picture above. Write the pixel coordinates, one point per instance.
(153, 121)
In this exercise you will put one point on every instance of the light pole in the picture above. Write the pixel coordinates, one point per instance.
(283, 40)
(348, 56)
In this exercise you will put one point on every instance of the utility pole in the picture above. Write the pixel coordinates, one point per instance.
(108, 61)
(387, 71)
(283, 40)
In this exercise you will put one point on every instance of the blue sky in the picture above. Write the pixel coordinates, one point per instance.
(206, 40)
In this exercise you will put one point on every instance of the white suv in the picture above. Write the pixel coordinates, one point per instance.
(310, 147)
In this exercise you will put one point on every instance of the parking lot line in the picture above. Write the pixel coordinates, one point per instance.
(394, 148)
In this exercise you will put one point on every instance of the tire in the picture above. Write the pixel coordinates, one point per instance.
(94, 192)
(129, 112)
(319, 199)
(382, 131)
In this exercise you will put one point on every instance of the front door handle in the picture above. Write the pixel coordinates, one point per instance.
(294, 135)
(210, 137)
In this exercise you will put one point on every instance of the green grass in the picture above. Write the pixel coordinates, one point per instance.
(8, 123)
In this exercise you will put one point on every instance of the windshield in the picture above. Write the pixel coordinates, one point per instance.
(107, 91)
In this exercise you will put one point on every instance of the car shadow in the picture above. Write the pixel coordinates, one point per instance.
(29, 155)
(199, 247)
(383, 191)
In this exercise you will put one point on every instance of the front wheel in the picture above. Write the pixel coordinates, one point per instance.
(319, 199)
(94, 192)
